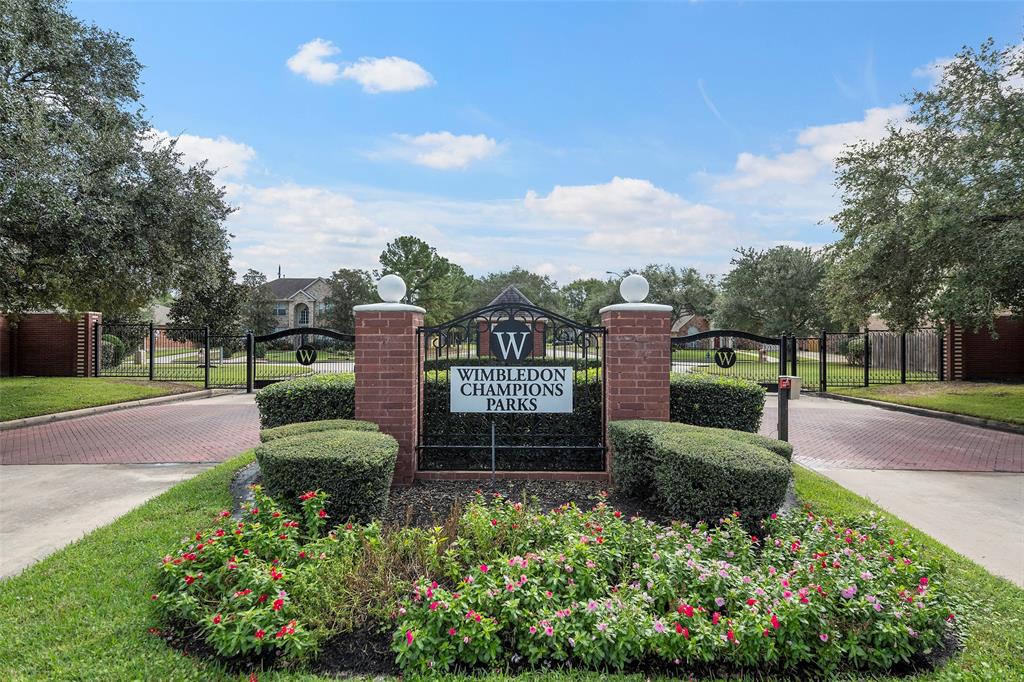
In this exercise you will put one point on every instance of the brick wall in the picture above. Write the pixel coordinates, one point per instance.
(6, 339)
(976, 356)
(47, 345)
(637, 360)
(387, 383)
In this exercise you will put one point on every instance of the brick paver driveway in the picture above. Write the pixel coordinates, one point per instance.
(830, 434)
(208, 430)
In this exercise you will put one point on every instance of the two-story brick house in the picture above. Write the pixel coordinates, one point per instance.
(299, 301)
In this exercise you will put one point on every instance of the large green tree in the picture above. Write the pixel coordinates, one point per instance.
(256, 303)
(583, 298)
(540, 289)
(433, 282)
(932, 216)
(91, 217)
(349, 287)
(773, 292)
(213, 302)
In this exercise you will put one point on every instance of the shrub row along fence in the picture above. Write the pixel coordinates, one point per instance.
(836, 359)
(195, 355)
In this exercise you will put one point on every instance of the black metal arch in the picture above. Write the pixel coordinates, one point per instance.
(714, 333)
(308, 331)
(512, 311)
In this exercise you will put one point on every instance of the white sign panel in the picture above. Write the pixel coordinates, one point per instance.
(511, 389)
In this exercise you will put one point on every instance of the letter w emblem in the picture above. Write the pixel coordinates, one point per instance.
(510, 345)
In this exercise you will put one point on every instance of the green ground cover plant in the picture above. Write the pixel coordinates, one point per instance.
(22, 397)
(998, 401)
(86, 613)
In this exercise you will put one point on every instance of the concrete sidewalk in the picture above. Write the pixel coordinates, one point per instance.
(980, 515)
(45, 507)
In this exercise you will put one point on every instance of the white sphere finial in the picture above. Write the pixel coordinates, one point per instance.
(391, 288)
(634, 289)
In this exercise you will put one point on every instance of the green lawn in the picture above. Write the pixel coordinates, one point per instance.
(84, 613)
(221, 374)
(31, 396)
(1001, 402)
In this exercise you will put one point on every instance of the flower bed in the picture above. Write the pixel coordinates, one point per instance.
(503, 584)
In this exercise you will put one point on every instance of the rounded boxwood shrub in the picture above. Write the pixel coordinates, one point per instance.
(112, 351)
(697, 475)
(353, 467)
(307, 399)
(714, 400)
(779, 447)
(299, 428)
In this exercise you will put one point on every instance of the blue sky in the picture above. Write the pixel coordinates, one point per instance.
(566, 138)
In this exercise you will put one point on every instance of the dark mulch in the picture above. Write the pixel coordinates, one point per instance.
(364, 652)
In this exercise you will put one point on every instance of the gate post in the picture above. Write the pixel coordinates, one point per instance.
(152, 351)
(206, 357)
(793, 360)
(823, 362)
(97, 347)
(637, 357)
(867, 359)
(903, 358)
(250, 361)
(389, 370)
(782, 355)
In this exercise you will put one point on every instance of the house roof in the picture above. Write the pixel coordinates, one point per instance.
(286, 287)
(510, 295)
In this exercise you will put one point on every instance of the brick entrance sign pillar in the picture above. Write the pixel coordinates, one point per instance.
(387, 370)
(638, 356)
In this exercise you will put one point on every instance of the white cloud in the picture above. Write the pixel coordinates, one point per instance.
(933, 70)
(630, 215)
(388, 74)
(229, 158)
(442, 150)
(311, 61)
(818, 147)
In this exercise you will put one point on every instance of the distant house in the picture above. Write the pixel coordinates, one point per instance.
(690, 323)
(299, 301)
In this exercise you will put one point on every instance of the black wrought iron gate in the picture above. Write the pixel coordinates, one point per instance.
(524, 439)
(301, 351)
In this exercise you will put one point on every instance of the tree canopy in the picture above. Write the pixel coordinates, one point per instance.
(932, 216)
(540, 289)
(91, 216)
(432, 281)
(773, 292)
(349, 287)
(256, 303)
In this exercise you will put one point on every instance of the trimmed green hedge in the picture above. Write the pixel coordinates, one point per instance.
(714, 400)
(779, 447)
(353, 467)
(697, 474)
(288, 430)
(307, 399)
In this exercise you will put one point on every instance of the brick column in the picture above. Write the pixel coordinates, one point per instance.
(388, 372)
(638, 359)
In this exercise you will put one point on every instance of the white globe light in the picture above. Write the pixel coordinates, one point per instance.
(391, 288)
(634, 289)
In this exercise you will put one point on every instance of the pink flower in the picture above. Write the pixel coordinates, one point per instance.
(823, 637)
(659, 626)
(409, 637)
(775, 621)
(715, 617)
(549, 631)
(602, 627)
(483, 568)
(451, 631)
(533, 629)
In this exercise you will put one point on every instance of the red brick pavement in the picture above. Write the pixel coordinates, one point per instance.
(209, 430)
(830, 434)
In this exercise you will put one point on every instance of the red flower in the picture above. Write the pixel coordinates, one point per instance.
(494, 522)
(715, 617)
(307, 495)
(189, 580)
(617, 514)
(730, 636)
(155, 597)
(322, 514)
(679, 628)
(924, 581)
(276, 515)
(278, 603)
(751, 602)
(216, 619)
(255, 510)
(775, 621)
(262, 598)
(753, 538)
(259, 634)
(451, 631)
(686, 609)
